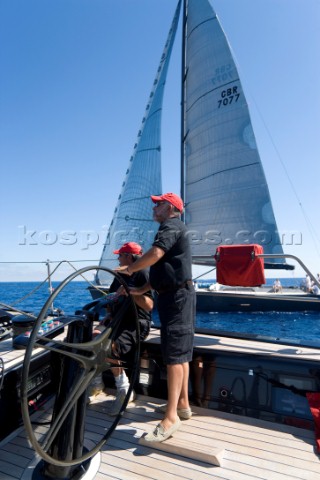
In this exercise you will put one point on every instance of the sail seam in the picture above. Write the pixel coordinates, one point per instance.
(200, 24)
(152, 114)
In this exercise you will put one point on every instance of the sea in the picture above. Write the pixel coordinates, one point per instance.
(303, 327)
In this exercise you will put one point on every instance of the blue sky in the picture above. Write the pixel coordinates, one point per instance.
(75, 79)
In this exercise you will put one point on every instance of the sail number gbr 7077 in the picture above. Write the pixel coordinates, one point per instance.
(228, 96)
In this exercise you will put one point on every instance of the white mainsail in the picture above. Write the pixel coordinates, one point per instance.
(224, 185)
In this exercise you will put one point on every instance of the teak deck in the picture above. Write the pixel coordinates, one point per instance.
(247, 448)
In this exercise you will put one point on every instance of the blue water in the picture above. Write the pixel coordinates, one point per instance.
(295, 326)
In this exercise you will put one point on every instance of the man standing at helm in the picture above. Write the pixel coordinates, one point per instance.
(169, 260)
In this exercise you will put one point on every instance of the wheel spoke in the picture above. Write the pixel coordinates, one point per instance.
(87, 359)
(99, 349)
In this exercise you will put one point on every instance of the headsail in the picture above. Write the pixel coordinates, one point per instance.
(225, 190)
(132, 219)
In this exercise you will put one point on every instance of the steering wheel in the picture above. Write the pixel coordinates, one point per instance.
(92, 358)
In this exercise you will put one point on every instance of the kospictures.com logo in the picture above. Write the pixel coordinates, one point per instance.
(87, 238)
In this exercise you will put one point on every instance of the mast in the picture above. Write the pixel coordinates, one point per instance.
(183, 76)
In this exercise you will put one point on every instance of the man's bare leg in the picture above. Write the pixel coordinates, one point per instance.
(183, 401)
(175, 380)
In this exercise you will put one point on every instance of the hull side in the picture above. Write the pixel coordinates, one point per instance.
(255, 302)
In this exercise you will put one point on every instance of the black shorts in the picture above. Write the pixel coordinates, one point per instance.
(177, 319)
(126, 339)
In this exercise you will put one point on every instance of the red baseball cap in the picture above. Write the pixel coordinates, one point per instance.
(172, 198)
(129, 247)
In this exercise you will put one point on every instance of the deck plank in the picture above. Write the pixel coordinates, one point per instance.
(251, 444)
(185, 447)
(254, 449)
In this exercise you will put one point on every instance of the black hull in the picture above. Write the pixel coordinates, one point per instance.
(256, 302)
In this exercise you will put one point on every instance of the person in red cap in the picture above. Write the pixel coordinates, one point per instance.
(169, 260)
(125, 339)
(130, 248)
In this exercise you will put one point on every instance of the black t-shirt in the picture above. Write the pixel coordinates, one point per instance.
(137, 279)
(174, 268)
